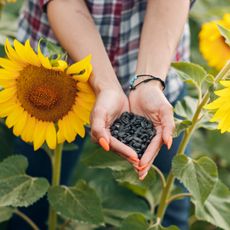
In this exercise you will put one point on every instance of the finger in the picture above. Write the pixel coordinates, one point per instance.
(153, 148)
(98, 129)
(135, 163)
(123, 149)
(144, 172)
(168, 125)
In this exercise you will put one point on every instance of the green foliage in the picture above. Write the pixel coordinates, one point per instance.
(6, 213)
(101, 159)
(16, 188)
(134, 222)
(199, 176)
(6, 143)
(181, 126)
(79, 203)
(216, 208)
(225, 33)
(186, 108)
(138, 222)
(159, 227)
(190, 72)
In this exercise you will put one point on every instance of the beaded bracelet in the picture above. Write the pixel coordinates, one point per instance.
(151, 78)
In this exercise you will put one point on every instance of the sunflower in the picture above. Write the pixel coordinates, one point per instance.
(212, 45)
(3, 2)
(222, 107)
(43, 99)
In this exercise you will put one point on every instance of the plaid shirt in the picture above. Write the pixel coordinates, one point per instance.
(119, 23)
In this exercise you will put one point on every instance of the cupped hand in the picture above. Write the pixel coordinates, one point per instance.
(149, 101)
(110, 104)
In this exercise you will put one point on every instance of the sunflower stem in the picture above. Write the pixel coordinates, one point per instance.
(164, 200)
(56, 174)
(27, 219)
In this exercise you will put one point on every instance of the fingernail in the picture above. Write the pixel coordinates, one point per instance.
(104, 144)
(169, 144)
(143, 176)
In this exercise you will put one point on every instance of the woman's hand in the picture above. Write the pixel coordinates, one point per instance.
(149, 101)
(110, 104)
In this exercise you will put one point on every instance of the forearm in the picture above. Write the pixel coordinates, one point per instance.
(75, 30)
(163, 25)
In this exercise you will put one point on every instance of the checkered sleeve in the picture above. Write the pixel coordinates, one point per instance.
(43, 3)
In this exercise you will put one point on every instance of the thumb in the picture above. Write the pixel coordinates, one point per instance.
(98, 128)
(168, 126)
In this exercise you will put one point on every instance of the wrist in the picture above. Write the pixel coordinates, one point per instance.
(104, 82)
(144, 79)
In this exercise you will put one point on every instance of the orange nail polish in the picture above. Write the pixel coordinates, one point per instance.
(104, 144)
(169, 144)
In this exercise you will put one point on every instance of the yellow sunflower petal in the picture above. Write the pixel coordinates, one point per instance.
(12, 119)
(223, 92)
(82, 113)
(60, 137)
(20, 124)
(39, 134)
(61, 65)
(7, 94)
(79, 66)
(31, 55)
(225, 83)
(7, 83)
(51, 136)
(9, 65)
(77, 124)
(83, 77)
(44, 60)
(68, 132)
(12, 54)
(22, 52)
(5, 74)
(7, 107)
(28, 131)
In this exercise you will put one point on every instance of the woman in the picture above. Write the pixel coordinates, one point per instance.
(125, 38)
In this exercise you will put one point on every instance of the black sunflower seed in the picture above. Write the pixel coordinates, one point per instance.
(133, 130)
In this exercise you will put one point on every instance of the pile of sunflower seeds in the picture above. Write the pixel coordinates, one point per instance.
(133, 130)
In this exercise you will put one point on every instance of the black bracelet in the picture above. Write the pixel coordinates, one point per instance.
(151, 78)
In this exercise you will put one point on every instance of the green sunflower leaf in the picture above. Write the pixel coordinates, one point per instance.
(159, 227)
(216, 208)
(138, 222)
(96, 157)
(134, 222)
(186, 108)
(18, 189)
(79, 203)
(181, 126)
(6, 213)
(225, 33)
(198, 176)
(190, 72)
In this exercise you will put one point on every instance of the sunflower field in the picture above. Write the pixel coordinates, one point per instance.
(104, 192)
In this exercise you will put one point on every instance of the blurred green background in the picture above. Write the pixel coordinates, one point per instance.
(115, 196)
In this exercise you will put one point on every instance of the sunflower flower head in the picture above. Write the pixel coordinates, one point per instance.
(212, 45)
(221, 107)
(44, 100)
